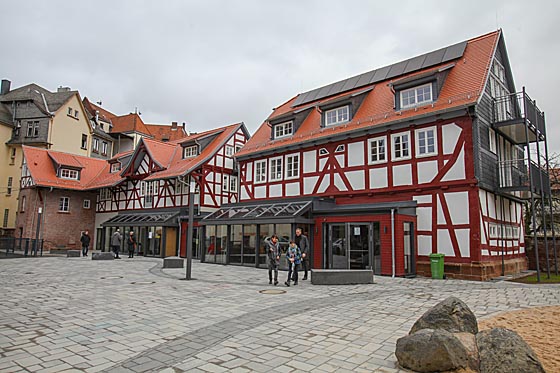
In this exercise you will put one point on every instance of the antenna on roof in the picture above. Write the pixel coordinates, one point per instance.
(136, 111)
(99, 102)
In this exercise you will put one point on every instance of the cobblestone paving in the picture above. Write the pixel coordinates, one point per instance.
(74, 314)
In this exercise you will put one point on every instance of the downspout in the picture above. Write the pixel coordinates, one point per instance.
(393, 242)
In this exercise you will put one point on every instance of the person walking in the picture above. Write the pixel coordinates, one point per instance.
(131, 243)
(293, 255)
(85, 240)
(116, 240)
(303, 244)
(273, 258)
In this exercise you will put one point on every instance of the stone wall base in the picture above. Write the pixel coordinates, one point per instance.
(476, 271)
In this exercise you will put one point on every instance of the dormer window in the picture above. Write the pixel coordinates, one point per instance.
(416, 96)
(283, 129)
(337, 116)
(115, 167)
(190, 151)
(66, 173)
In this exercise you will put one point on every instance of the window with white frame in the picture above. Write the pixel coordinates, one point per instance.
(238, 148)
(23, 201)
(233, 183)
(492, 140)
(401, 146)
(340, 148)
(377, 150)
(104, 146)
(260, 171)
(292, 166)
(225, 182)
(66, 173)
(32, 129)
(416, 95)
(229, 150)
(84, 141)
(105, 194)
(142, 189)
(6, 215)
(150, 191)
(190, 151)
(95, 146)
(64, 204)
(182, 186)
(283, 129)
(276, 169)
(337, 116)
(9, 189)
(499, 91)
(323, 151)
(87, 204)
(493, 230)
(115, 167)
(75, 113)
(70, 111)
(426, 142)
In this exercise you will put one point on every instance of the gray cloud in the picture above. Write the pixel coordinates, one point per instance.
(212, 63)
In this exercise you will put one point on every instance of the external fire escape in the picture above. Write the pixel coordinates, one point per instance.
(517, 118)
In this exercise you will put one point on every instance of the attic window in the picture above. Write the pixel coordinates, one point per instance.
(115, 167)
(416, 96)
(340, 148)
(66, 173)
(323, 151)
(283, 129)
(337, 116)
(190, 151)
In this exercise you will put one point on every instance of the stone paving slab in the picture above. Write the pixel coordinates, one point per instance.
(131, 315)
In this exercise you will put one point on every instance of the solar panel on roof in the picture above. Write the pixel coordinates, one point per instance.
(454, 51)
(396, 69)
(381, 74)
(414, 64)
(350, 83)
(365, 78)
(337, 87)
(325, 91)
(434, 58)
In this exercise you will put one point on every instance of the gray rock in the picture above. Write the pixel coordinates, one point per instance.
(504, 351)
(73, 253)
(102, 256)
(469, 341)
(173, 262)
(431, 350)
(451, 314)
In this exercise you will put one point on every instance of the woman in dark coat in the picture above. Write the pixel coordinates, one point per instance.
(131, 242)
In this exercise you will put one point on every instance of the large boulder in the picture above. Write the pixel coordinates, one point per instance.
(430, 350)
(451, 314)
(504, 351)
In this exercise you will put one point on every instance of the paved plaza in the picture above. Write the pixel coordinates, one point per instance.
(130, 315)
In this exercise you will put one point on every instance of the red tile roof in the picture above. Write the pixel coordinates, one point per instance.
(164, 132)
(462, 87)
(64, 159)
(129, 123)
(92, 108)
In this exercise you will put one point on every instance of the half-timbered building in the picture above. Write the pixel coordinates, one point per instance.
(424, 156)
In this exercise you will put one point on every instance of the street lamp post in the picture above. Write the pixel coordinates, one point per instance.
(36, 244)
(192, 191)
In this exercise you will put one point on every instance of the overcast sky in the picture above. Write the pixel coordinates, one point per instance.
(213, 63)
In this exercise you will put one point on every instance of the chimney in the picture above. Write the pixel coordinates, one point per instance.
(184, 127)
(5, 88)
(173, 126)
(63, 89)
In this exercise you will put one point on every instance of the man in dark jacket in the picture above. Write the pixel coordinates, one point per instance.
(85, 240)
(273, 258)
(303, 244)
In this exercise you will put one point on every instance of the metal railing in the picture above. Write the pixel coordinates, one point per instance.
(514, 174)
(29, 246)
(519, 106)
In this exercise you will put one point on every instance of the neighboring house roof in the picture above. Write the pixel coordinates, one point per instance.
(5, 115)
(464, 84)
(49, 102)
(43, 172)
(164, 132)
(129, 123)
(65, 159)
(103, 114)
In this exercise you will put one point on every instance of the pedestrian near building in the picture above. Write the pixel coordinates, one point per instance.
(273, 258)
(116, 241)
(131, 243)
(303, 244)
(85, 240)
(293, 255)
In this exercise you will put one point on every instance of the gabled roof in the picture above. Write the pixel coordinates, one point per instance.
(53, 100)
(164, 132)
(64, 159)
(42, 168)
(463, 86)
(92, 108)
(129, 123)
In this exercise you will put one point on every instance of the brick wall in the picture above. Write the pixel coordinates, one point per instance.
(59, 230)
(530, 250)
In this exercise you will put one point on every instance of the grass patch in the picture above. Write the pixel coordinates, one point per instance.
(532, 279)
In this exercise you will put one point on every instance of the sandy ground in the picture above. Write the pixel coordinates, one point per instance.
(539, 327)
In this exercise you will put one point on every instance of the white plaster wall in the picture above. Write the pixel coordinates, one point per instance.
(444, 243)
(309, 184)
(292, 189)
(427, 171)
(339, 184)
(260, 191)
(249, 172)
(378, 178)
(402, 175)
(450, 134)
(356, 179)
(424, 245)
(356, 154)
(309, 161)
(275, 190)
(458, 205)
(457, 171)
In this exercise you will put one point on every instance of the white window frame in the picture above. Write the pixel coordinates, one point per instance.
(95, 145)
(115, 167)
(376, 140)
(340, 148)
(323, 151)
(66, 173)
(190, 151)
(423, 151)
(104, 147)
(150, 192)
(261, 171)
(229, 150)
(142, 188)
(225, 182)
(400, 136)
(292, 166)
(492, 144)
(70, 111)
(105, 194)
(276, 173)
(10, 184)
(233, 184)
(339, 115)
(87, 204)
(416, 91)
(283, 129)
(64, 204)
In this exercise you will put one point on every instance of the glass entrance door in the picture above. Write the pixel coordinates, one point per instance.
(359, 248)
(353, 246)
(337, 243)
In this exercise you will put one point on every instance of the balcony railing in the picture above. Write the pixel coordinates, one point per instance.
(518, 108)
(513, 175)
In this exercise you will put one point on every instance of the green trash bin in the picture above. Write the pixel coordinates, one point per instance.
(436, 264)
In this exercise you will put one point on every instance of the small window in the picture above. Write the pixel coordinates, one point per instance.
(150, 191)
(6, 215)
(105, 194)
(142, 189)
(323, 151)
(233, 183)
(377, 150)
(69, 111)
(115, 167)
(32, 129)
(492, 140)
(416, 96)
(190, 151)
(68, 174)
(337, 116)
(401, 146)
(84, 141)
(340, 148)
(87, 204)
(283, 129)
(292, 166)
(260, 171)
(276, 169)
(95, 146)
(104, 148)
(23, 201)
(9, 189)
(426, 144)
(229, 150)
(75, 113)
(64, 204)
(238, 148)
(13, 153)
(225, 183)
